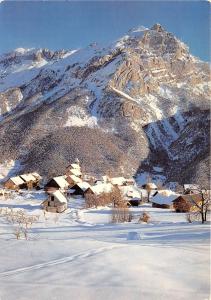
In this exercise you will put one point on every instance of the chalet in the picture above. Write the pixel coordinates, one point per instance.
(56, 202)
(120, 181)
(131, 194)
(80, 188)
(15, 183)
(164, 199)
(56, 183)
(185, 203)
(99, 189)
(191, 189)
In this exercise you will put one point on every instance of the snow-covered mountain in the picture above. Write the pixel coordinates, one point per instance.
(139, 105)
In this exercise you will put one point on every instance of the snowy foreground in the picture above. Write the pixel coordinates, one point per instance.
(81, 255)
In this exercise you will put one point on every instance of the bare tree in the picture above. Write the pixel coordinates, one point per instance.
(202, 206)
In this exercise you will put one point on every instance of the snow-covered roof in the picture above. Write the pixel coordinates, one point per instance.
(75, 166)
(102, 188)
(28, 177)
(17, 180)
(151, 185)
(75, 172)
(191, 197)
(164, 197)
(83, 185)
(130, 191)
(105, 178)
(60, 180)
(59, 196)
(118, 180)
(191, 187)
(75, 179)
(143, 192)
(36, 175)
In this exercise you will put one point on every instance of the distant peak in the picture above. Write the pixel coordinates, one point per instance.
(157, 27)
(138, 29)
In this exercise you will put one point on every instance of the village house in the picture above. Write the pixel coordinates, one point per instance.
(37, 176)
(75, 172)
(164, 199)
(191, 189)
(72, 180)
(56, 202)
(56, 183)
(120, 181)
(80, 188)
(15, 183)
(185, 203)
(99, 189)
(30, 180)
(131, 194)
(74, 169)
(130, 181)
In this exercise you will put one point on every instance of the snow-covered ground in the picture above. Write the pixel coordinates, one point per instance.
(81, 255)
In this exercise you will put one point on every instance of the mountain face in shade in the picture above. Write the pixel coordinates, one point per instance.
(139, 105)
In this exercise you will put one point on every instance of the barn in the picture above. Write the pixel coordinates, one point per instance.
(15, 183)
(56, 202)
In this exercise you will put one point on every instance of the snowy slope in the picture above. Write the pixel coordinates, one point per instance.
(80, 253)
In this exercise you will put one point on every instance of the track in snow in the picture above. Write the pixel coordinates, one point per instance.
(59, 261)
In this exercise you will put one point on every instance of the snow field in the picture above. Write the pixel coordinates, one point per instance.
(80, 254)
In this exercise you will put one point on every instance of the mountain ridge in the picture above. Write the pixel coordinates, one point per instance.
(145, 90)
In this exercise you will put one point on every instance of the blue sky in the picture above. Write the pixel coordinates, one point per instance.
(70, 25)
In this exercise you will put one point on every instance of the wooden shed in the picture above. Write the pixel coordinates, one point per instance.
(15, 183)
(56, 202)
(185, 203)
(131, 194)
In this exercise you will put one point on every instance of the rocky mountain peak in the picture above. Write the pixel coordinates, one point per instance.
(157, 27)
(140, 99)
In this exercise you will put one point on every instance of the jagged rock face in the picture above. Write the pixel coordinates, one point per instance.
(139, 100)
(9, 100)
